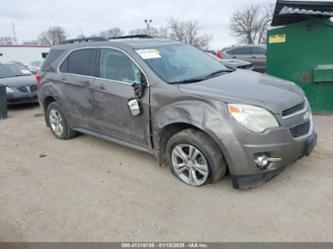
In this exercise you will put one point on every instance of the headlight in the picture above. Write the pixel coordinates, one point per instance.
(9, 90)
(254, 118)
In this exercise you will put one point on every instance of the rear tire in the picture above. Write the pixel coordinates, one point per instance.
(58, 123)
(194, 158)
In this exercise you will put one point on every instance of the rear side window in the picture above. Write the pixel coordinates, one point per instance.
(239, 51)
(51, 57)
(82, 62)
(258, 50)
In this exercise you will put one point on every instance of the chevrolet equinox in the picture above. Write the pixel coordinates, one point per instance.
(179, 104)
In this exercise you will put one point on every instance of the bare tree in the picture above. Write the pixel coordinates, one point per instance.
(6, 40)
(188, 32)
(250, 24)
(52, 36)
(113, 32)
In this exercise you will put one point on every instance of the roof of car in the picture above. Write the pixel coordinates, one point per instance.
(136, 43)
(245, 46)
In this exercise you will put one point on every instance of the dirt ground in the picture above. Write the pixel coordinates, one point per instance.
(87, 189)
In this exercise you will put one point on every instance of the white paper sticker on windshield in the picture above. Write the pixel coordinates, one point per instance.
(147, 54)
(25, 71)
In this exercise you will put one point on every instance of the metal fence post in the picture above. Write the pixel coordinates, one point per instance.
(3, 102)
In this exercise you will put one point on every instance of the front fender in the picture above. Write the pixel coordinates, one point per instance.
(208, 116)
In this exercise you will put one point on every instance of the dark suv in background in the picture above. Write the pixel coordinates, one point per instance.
(179, 104)
(254, 54)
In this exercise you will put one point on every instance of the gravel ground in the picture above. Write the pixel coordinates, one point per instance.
(87, 189)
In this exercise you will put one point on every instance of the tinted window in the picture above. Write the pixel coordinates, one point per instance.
(80, 62)
(240, 51)
(115, 65)
(258, 50)
(51, 57)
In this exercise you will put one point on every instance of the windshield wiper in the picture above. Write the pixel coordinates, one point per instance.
(193, 80)
(202, 78)
(218, 73)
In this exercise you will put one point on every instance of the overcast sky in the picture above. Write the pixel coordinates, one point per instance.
(31, 17)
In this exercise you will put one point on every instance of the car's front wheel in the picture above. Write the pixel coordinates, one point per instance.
(58, 123)
(194, 158)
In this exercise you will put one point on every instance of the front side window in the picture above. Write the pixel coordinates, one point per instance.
(115, 65)
(80, 62)
(180, 62)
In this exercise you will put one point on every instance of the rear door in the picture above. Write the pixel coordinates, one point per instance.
(76, 76)
(113, 90)
(259, 58)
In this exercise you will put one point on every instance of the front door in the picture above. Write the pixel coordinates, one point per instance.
(113, 90)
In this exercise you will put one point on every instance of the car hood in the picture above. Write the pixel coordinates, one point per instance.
(18, 81)
(247, 87)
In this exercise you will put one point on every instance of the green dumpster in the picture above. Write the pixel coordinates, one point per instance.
(302, 50)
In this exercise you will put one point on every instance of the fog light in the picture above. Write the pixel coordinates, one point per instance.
(263, 160)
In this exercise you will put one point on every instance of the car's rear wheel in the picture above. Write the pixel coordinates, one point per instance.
(58, 123)
(195, 159)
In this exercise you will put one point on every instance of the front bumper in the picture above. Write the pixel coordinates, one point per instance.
(296, 152)
(22, 98)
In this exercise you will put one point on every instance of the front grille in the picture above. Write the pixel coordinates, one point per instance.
(293, 109)
(300, 130)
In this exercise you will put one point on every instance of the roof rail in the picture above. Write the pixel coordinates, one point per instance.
(141, 36)
(84, 39)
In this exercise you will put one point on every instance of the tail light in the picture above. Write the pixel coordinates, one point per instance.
(219, 55)
(38, 78)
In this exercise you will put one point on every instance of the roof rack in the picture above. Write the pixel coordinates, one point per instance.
(85, 39)
(141, 36)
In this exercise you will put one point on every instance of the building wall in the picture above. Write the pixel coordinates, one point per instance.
(24, 54)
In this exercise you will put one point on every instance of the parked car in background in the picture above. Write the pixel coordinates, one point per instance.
(234, 63)
(175, 102)
(20, 84)
(35, 66)
(251, 53)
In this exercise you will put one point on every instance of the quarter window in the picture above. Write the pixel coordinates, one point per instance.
(115, 65)
(80, 62)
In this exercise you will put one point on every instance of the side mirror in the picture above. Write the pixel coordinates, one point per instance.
(134, 107)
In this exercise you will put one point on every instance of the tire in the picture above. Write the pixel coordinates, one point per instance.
(202, 156)
(58, 123)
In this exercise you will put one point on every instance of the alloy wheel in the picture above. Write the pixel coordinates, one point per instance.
(190, 164)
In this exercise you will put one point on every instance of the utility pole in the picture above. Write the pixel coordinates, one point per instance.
(14, 32)
(148, 23)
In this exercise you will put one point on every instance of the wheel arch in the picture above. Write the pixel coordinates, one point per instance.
(171, 129)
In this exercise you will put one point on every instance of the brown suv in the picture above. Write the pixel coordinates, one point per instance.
(179, 104)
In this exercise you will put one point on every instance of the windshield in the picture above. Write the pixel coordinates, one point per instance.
(181, 63)
(12, 70)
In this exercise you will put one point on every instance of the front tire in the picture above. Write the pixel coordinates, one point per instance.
(195, 159)
(57, 122)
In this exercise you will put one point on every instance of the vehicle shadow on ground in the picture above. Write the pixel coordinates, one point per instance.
(21, 107)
